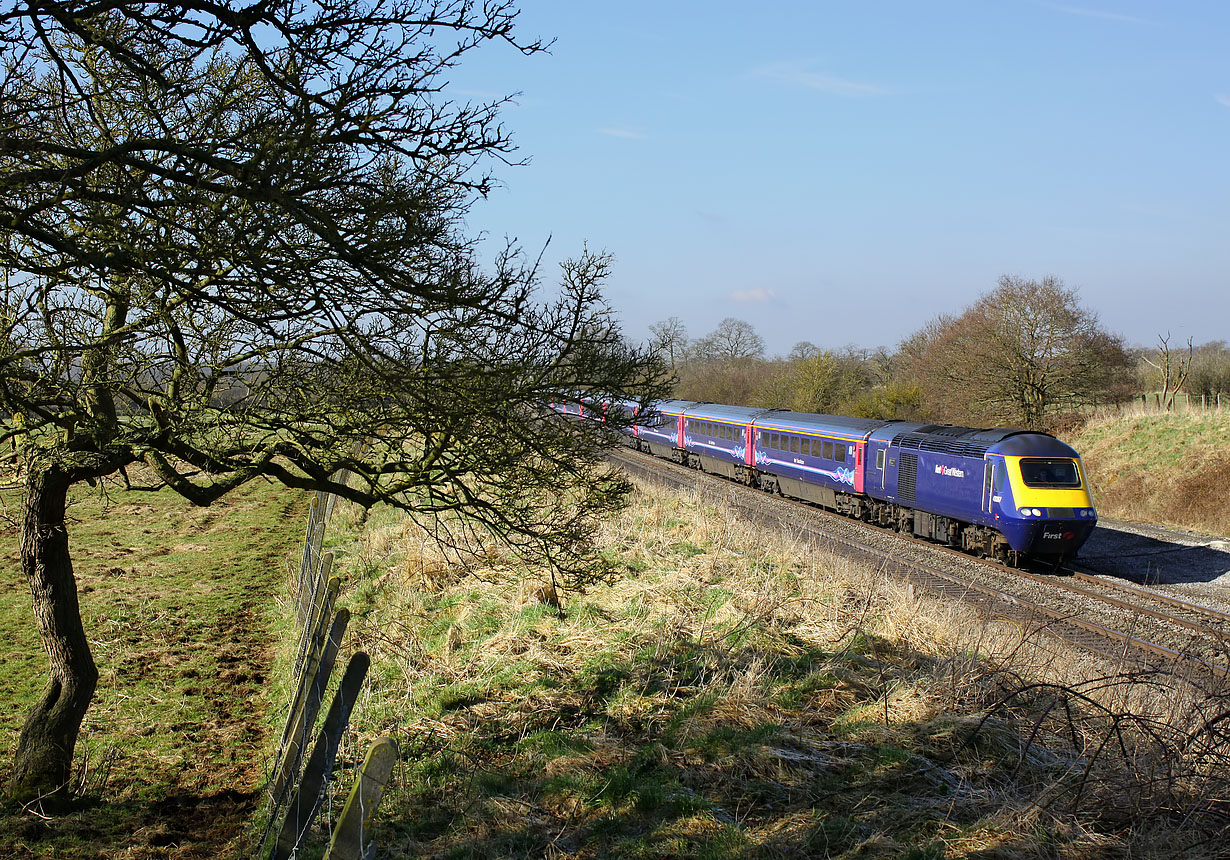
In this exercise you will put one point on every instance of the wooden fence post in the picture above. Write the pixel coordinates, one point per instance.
(309, 694)
(350, 837)
(303, 806)
(320, 610)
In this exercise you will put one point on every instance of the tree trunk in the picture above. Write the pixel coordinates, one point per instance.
(44, 756)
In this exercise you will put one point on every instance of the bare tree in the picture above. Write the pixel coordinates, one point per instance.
(233, 249)
(732, 339)
(803, 350)
(1022, 353)
(1173, 367)
(670, 338)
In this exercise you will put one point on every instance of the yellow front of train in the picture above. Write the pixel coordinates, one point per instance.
(1049, 510)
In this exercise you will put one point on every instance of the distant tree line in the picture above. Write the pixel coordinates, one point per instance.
(1026, 353)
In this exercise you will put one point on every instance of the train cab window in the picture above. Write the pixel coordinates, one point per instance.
(828, 450)
(880, 459)
(839, 453)
(1046, 472)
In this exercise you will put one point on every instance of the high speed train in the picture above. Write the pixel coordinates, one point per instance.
(1003, 493)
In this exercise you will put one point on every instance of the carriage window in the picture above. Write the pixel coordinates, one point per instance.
(839, 453)
(828, 450)
(794, 444)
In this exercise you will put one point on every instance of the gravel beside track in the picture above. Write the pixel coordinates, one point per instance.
(1145, 625)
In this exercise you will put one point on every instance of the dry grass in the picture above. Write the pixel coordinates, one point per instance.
(1171, 468)
(731, 692)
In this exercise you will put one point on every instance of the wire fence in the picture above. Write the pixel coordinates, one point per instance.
(302, 777)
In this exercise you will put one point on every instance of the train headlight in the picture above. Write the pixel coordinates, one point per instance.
(1037, 513)
(1025, 512)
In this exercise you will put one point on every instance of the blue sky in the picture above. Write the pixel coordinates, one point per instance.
(842, 172)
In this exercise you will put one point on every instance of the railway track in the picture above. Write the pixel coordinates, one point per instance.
(1113, 620)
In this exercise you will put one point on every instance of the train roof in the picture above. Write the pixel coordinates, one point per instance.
(722, 412)
(973, 442)
(809, 423)
(675, 407)
(1034, 445)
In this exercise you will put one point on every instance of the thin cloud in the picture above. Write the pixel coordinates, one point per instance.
(713, 219)
(1095, 13)
(800, 74)
(1222, 99)
(625, 133)
(758, 295)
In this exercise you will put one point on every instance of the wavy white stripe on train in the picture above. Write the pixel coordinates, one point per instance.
(1003, 493)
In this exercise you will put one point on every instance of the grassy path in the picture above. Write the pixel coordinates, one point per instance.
(180, 604)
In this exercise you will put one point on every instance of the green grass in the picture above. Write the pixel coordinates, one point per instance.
(180, 607)
(1171, 468)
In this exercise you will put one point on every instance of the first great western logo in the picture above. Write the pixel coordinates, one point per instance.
(949, 471)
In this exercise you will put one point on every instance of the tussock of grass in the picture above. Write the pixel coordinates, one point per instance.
(729, 692)
(1171, 468)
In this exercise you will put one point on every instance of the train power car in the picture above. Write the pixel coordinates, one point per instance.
(1004, 493)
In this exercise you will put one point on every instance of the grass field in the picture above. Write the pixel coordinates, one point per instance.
(732, 693)
(1170, 468)
(726, 692)
(179, 605)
